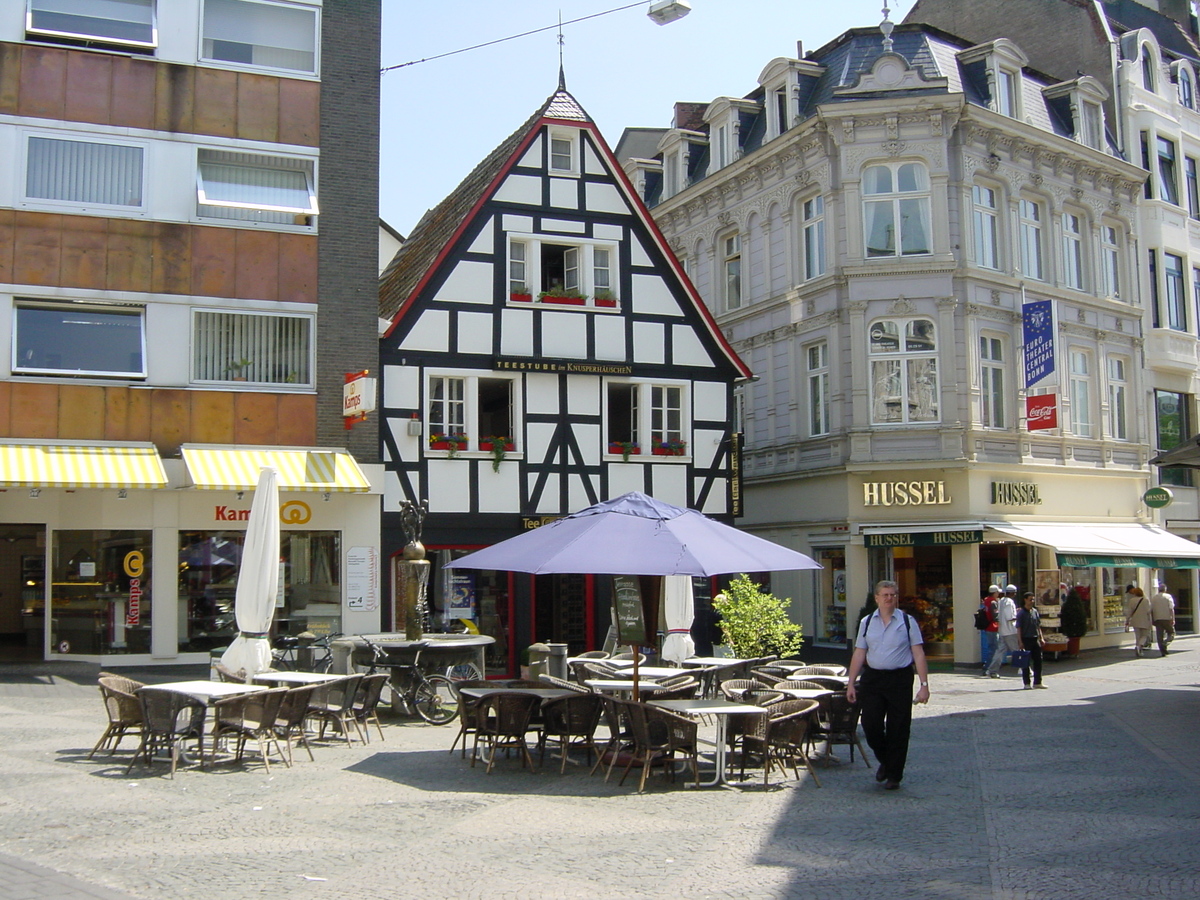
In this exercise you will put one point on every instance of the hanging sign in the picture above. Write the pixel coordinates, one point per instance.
(1041, 411)
(1158, 497)
(1037, 329)
(358, 397)
(631, 626)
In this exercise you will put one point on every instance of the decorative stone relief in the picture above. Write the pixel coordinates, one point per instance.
(901, 307)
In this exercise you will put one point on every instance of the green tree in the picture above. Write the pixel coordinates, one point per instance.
(754, 623)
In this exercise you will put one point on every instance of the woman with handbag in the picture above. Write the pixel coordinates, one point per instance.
(1029, 627)
(1138, 617)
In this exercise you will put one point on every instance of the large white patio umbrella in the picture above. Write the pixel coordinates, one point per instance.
(258, 580)
(679, 608)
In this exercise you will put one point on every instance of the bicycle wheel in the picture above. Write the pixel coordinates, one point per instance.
(436, 700)
(464, 672)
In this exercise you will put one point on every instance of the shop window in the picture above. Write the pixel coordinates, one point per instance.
(259, 348)
(829, 593)
(1072, 251)
(88, 173)
(474, 407)
(1173, 426)
(648, 416)
(896, 209)
(480, 596)
(249, 186)
(813, 235)
(904, 378)
(987, 227)
(1030, 219)
(1118, 398)
(310, 597)
(991, 363)
(78, 339)
(100, 588)
(124, 23)
(817, 360)
(261, 34)
(1081, 393)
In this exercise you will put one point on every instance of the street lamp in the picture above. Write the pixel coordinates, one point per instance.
(666, 11)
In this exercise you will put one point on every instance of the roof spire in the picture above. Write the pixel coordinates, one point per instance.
(886, 27)
(562, 78)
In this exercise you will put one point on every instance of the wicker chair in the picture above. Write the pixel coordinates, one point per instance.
(739, 724)
(829, 682)
(562, 684)
(840, 726)
(770, 674)
(571, 721)
(120, 682)
(818, 670)
(468, 714)
(592, 654)
(366, 704)
(168, 718)
(646, 750)
(641, 657)
(783, 738)
(503, 723)
(292, 713)
(683, 689)
(332, 704)
(227, 674)
(800, 684)
(735, 688)
(124, 712)
(676, 735)
(246, 716)
(619, 733)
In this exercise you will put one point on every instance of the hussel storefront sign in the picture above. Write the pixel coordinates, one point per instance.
(905, 493)
(1015, 493)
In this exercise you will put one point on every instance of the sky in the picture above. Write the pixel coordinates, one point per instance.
(441, 117)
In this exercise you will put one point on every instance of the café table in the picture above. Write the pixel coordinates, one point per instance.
(206, 692)
(546, 693)
(624, 685)
(721, 710)
(626, 665)
(803, 693)
(295, 678)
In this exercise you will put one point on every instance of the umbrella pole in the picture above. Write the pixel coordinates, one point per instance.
(636, 694)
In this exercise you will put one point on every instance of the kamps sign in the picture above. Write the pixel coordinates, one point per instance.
(1037, 326)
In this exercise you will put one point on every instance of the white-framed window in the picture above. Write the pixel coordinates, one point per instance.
(987, 226)
(1029, 219)
(602, 270)
(1187, 92)
(1072, 250)
(721, 152)
(563, 152)
(1091, 125)
(904, 371)
(1110, 261)
(1007, 86)
(671, 174)
(1193, 186)
(1168, 171)
(779, 110)
(1149, 82)
(518, 276)
(261, 34)
(731, 267)
(1174, 292)
(84, 172)
(813, 236)
(561, 267)
(249, 186)
(896, 209)
(258, 348)
(991, 379)
(122, 22)
(479, 407)
(80, 339)
(817, 365)
(650, 415)
(1081, 397)
(1118, 393)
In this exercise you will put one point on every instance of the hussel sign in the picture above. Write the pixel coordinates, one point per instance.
(905, 493)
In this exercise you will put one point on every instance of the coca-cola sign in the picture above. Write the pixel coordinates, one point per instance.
(1041, 412)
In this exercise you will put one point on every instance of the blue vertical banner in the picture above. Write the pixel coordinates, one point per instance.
(1037, 327)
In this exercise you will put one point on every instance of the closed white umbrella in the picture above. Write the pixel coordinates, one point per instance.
(679, 608)
(258, 580)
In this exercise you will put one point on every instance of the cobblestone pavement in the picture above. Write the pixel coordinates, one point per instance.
(1085, 790)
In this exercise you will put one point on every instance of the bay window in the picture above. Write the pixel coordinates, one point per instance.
(896, 209)
(904, 375)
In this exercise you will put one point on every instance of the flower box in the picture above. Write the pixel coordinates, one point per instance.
(563, 300)
(605, 302)
(451, 442)
(669, 448)
(617, 448)
(520, 298)
(488, 446)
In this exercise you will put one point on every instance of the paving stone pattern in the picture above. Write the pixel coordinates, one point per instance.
(1084, 790)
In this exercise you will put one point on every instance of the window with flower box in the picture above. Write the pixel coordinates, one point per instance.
(646, 419)
(469, 412)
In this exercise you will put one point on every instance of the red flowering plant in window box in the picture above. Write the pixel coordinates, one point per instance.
(625, 448)
(519, 293)
(498, 445)
(668, 448)
(451, 441)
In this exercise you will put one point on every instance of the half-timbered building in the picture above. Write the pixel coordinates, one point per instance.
(545, 351)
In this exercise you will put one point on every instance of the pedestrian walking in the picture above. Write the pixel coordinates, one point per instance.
(1007, 639)
(1138, 617)
(1029, 627)
(1162, 609)
(985, 621)
(887, 651)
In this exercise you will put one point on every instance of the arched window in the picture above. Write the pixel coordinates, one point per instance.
(1147, 68)
(904, 379)
(1187, 94)
(896, 209)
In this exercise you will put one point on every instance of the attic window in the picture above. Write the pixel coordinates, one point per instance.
(562, 152)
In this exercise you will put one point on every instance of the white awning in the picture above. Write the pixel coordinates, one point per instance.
(1129, 545)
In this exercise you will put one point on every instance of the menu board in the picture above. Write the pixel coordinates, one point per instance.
(631, 626)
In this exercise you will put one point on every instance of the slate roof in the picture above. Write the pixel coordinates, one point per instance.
(439, 224)
(1129, 15)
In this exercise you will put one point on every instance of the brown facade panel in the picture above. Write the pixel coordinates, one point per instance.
(257, 107)
(212, 417)
(299, 112)
(133, 88)
(10, 77)
(8, 238)
(89, 88)
(116, 413)
(84, 259)
(81, 412)
(174, 97)
(171, 271)
(139, 415)
(170, 420)
(37, 248)
(256, 418)
(130, 255)
(297, 420)
(298, 268)
(33, 410)
(5, 407)
(43, 83)
(215, 109)
(212, 261)
(256, 265)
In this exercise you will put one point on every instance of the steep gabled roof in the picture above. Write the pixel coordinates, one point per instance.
(438, 229)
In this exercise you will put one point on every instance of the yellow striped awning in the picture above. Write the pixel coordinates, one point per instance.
(81, 465)
(300, 469)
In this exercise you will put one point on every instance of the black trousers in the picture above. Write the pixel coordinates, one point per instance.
(886, 699)
(1034, 646)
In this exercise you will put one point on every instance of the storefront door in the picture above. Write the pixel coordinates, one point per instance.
(22, 592)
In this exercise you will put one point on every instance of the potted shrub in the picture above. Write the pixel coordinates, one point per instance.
(605, 298)
(449, 441)
(1074, 621)
(519, 293)
(756, 624)
(624, 448)
(498, 446)
(668, 448)
(237, 369)
(567, 296)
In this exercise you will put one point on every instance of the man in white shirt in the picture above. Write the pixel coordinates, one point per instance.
(1007, 639)
(1162, 609)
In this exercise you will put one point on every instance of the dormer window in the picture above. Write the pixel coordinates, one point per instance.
(1148, 81)
(721, 147)
(1081, 102)
(129, 23)
(1002, 61)
(1090, 131)
(724, 118)
(780, 120)
(1006, 93)
(1187, 89)
(563, 153)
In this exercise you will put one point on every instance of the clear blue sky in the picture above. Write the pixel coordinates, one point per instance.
(440, 118)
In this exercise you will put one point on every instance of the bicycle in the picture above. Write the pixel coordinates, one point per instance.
(432, 697)
(284, 653)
